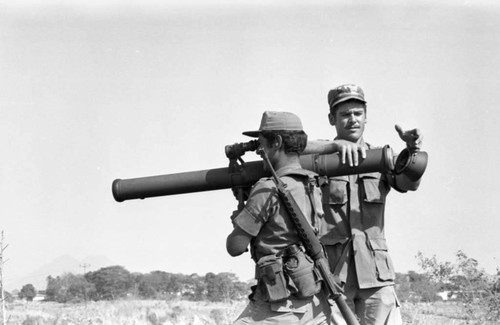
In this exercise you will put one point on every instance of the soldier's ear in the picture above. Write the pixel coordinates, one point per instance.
(278, 141)
(331, 118)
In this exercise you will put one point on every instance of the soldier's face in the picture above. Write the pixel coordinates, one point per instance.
(349, 120)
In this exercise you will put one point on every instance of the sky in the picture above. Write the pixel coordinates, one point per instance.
(92, 91)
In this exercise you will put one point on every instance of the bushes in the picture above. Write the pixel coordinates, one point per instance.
(27, 292)
(68, 288)
(110, 283)
(467, 282)
(415, 287)
(116, 282)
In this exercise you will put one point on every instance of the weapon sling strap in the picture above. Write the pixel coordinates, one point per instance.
(343, 258)
(346, 245)
(310, 191)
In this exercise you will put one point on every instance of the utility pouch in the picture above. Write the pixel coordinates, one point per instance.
(300, 269)
(269, 272)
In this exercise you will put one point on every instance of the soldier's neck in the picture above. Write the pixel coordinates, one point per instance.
(291, 160)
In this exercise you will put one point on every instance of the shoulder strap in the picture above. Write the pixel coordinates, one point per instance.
(343, 258)
(309, 187)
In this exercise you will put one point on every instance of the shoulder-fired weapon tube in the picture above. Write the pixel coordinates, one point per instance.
(377, 160)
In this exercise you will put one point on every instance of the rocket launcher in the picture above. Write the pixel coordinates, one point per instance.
(240, 174)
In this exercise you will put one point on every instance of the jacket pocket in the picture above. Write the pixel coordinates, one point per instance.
(375, 189)
(383, 262)
(336, 191)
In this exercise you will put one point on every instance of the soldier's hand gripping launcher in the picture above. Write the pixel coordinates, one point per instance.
(241, 174)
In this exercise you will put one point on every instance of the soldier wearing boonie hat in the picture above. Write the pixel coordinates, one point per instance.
(352, 230)
(277, 121)
(265, 226)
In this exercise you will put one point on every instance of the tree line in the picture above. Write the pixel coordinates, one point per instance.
(115, 282)
(462, 281)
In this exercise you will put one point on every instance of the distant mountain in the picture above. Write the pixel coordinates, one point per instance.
(59, 266)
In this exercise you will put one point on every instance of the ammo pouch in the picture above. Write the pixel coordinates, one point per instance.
(299, 268)
(269, 272)
(291, 274)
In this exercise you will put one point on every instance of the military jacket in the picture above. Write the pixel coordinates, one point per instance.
(353, 228)
(265, 217)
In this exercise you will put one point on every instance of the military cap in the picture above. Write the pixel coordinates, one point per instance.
(277, 121)
(345, 92)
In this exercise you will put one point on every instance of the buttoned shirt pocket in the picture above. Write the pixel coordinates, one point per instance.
(337, 191)
(375, 189)
(383, 262)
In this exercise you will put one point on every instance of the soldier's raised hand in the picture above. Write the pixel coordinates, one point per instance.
(413, 138)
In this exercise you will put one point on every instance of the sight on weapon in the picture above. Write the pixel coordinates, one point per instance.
(236, 166)
(235, 151)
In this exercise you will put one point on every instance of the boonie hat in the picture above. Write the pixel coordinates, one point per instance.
(277, 121)
(345, 92)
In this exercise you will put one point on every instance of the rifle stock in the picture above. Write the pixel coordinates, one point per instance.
(335, 292)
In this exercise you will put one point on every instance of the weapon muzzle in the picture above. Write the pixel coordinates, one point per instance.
(411, 163)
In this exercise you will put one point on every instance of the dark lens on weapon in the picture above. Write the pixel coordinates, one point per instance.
(235, 151)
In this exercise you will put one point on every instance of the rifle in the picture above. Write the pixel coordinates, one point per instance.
(312, 245)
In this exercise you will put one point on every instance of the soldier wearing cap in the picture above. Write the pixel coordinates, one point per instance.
(353, 229)
(287, 290)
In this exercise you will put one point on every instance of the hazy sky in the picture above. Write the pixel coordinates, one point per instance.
(94, 91)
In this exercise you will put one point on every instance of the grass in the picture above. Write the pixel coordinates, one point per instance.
(124, 312)
(443, 313)
(156, 312)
